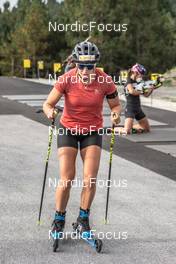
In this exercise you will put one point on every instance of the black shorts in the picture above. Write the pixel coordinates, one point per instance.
(66, 139)
(137, 114)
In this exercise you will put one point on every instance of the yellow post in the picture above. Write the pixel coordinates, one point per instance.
(40, 66)
(26, 65)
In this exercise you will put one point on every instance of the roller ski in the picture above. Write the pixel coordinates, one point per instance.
(82, 229)
(57, 229)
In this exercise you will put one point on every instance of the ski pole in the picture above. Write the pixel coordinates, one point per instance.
(46, 163)
(109, 174)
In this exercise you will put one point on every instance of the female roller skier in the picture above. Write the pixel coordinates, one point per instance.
(133, 108)
(84, 89)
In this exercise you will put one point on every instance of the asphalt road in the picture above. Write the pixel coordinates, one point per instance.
(143, 208)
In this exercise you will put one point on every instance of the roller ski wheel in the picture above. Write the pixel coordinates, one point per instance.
(98, 245)
(55, 245)
(56, 237)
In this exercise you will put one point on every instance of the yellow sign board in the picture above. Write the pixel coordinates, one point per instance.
(57, 67)
(123, 74)
(40, 65)
(154, 76)
(26, 63)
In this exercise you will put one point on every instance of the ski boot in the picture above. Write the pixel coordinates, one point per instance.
(57, 230)
(82, 228)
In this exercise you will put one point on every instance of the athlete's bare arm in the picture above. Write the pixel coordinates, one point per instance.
(149, 92)
(132, 91)
(48, 106)
(114, 105)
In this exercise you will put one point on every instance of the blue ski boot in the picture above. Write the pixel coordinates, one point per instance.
(82, 227)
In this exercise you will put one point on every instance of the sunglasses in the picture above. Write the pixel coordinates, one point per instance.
(88, 66)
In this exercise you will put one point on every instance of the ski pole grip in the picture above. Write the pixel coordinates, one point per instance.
(55, 113)
(57, 108)
(114, 115)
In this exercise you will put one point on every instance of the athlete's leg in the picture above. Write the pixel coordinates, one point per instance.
(67, 158)
(144, 124)
(128, 125)
(138, 127)
(129, 118)
(91, 160)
